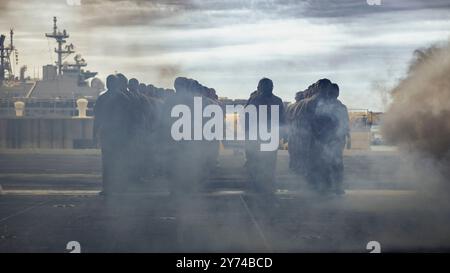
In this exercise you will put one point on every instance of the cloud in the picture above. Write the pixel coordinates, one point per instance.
(230, 44)
(357, 8)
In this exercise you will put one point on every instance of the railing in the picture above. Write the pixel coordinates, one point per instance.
(359, 118)
(44, 107)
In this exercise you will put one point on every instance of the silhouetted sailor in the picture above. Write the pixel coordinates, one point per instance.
(330, 129)
(133, 85)
(148, 152)
(111, 126)
(188, 161)
(322, 128)
(213, 146)
(138, 103)
(168, 93)
(122, 83)
(182, 161)
(295, 160)
(252, 96)
(136, 144)
(301, 138)
(262, 164)
(142, 88)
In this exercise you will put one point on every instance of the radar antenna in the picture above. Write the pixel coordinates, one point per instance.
(60, 38)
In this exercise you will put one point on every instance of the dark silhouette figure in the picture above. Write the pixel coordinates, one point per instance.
(319, 128)
(295, 158)
(330, 130)
(111, 127)
(188, 162)
(261, 165)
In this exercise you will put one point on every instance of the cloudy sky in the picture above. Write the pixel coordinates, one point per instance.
(231, 44)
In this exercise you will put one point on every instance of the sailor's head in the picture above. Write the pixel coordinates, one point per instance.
(151, 90)
(322, 87)
(181, 84)
(169, 93)
(194, 87)
(308, 92)
(159, 92)
(213, 94)
(204, 91)
(189, 86)
(299, 95)
(133, 85)
(122, 81)
(209, 93)
(111, 82)
(333, 92)
(142, 87)
(323, 83)
(265, 86)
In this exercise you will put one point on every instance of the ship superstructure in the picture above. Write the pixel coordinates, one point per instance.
(62, 80)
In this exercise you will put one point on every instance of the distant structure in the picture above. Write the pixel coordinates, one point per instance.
(62, 80)
(6, 58)
(65, 80)
(10, 85)
(60, 38)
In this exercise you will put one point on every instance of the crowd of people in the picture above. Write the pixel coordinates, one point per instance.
(318, 132)
(133, 126)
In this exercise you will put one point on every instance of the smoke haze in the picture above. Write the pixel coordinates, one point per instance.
(418, 118)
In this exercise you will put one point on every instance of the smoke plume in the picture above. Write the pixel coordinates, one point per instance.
(167, 73)
(419, 117)
(418, 120)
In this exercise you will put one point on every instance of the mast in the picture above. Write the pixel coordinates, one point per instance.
(2, 59)
(5, 57)
(60, 38)
(11, 35)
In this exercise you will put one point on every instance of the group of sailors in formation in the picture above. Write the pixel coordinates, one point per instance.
(133, 127)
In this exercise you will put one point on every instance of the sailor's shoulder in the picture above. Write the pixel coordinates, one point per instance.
(277, 99)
